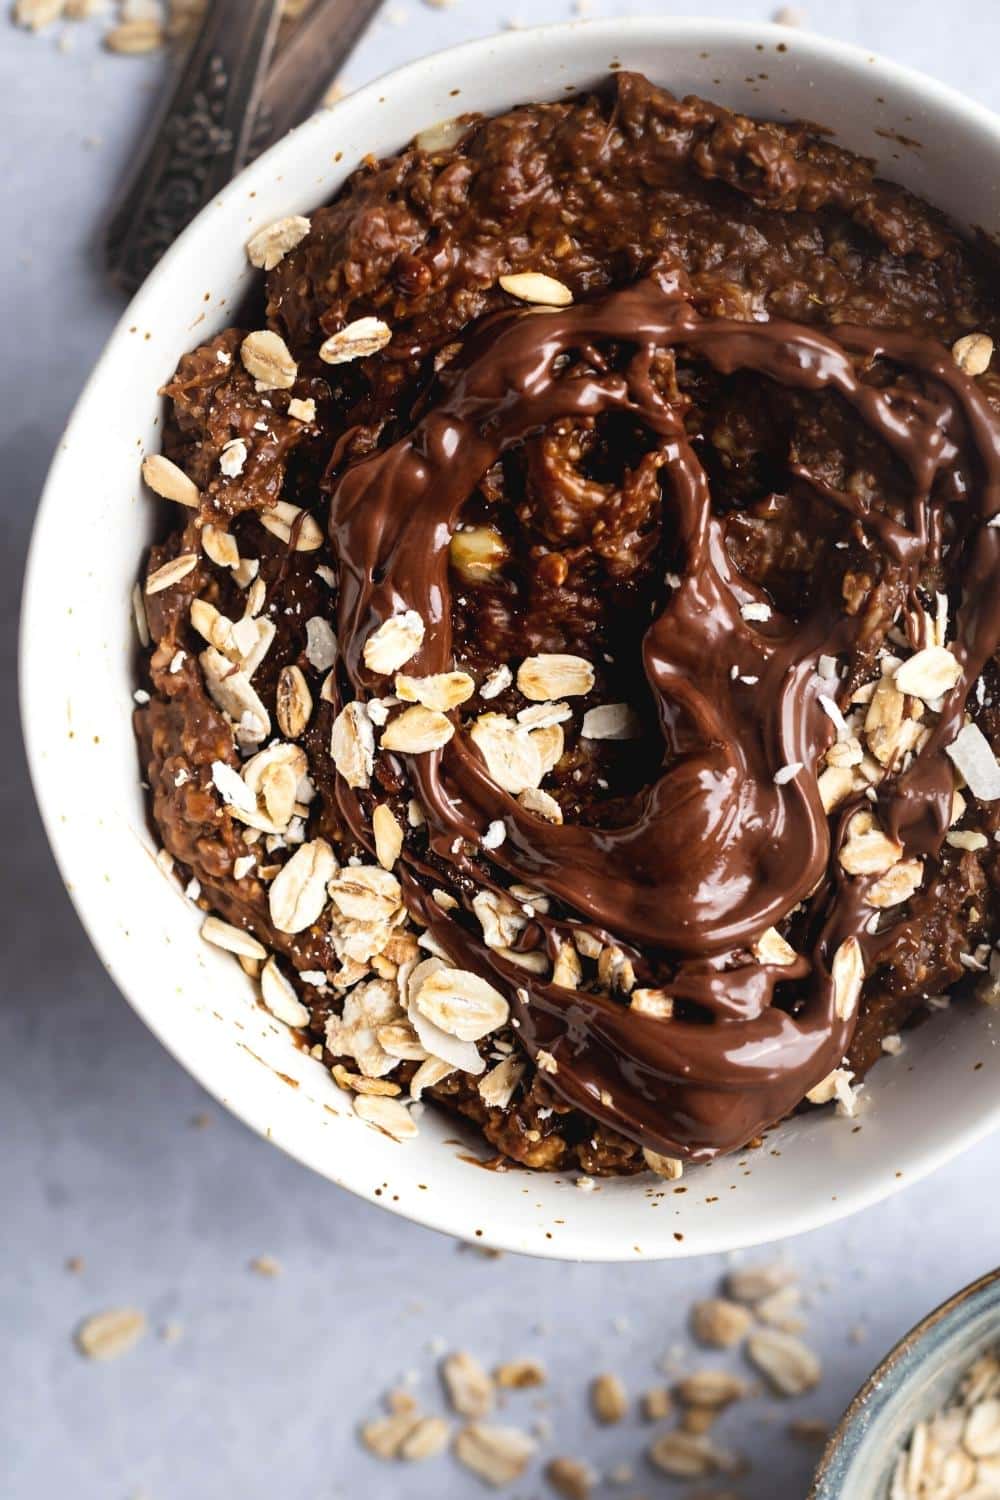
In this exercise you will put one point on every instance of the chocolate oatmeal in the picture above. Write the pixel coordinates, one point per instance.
(572, 683)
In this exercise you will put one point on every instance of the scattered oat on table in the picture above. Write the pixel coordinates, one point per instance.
(720, 1323)
(508, 1425)
(130, 28)
(609, 1399)
(265, 1265)
(110, 1334)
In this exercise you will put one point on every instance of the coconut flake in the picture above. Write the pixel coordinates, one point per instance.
(970, 752)
(495, 834)
(321, 644)
(610, 721)
(232, 788)
(832, 710)
(498, 680)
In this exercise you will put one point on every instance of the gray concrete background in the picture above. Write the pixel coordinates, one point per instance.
(259, 1396)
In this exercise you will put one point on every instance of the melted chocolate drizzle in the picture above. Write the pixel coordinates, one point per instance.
(717, 851)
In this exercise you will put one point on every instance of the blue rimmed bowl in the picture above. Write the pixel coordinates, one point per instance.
(915, 1380)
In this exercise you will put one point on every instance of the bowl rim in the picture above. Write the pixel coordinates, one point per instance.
(882, 1387)
(439, 1213)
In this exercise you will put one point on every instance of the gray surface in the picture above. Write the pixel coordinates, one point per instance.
(259, 1397)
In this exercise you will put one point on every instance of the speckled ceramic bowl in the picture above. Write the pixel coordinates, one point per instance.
(78, 660)
(911, 1383)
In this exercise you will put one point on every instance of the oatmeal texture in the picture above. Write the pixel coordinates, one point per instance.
(572, 640)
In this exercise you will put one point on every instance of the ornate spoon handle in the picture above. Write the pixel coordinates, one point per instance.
(199, 139)
(306, 67)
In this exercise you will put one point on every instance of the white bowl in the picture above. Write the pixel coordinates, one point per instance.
(78, 658)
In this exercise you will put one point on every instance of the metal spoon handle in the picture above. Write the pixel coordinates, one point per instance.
(199, 138)
(305, 68)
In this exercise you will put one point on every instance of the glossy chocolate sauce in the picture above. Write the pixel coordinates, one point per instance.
(718, 850)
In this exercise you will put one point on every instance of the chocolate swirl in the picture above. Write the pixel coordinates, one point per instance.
(719, 848)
